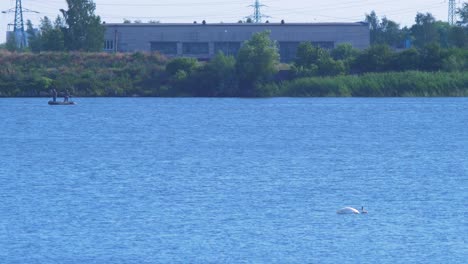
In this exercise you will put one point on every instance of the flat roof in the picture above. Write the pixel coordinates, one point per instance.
(231, 24)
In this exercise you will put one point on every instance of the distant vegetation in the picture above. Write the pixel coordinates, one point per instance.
(85, 74)
(435, 65)
(392, 84)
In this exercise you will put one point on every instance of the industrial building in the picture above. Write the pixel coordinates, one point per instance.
(204, 40)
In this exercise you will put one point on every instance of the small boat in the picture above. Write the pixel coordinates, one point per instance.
(61, 103)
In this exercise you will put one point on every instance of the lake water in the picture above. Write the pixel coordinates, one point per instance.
(234, 180)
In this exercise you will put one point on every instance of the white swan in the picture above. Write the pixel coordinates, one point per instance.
(348, 210)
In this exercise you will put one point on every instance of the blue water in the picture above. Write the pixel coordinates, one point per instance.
(234, 181)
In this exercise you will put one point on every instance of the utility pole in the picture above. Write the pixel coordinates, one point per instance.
(451, 12)
(257, 15)
(18, 25)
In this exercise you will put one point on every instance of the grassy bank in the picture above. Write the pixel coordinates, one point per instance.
(85, 74)
(392, 84)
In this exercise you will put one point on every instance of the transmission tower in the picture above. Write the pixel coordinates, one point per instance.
(257, 15)
(451, 12)
(18, 25)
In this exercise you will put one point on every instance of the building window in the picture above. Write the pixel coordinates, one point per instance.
(195, 48)
(167, 48)
(228, 48)
(109, 45)
(288, 50)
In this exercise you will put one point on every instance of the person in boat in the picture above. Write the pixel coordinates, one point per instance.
(54, 95)
(363, 211)
(66, 96)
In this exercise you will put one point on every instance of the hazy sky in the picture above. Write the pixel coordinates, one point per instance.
(401, 11)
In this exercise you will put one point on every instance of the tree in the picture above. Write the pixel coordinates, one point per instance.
(52, 38)
(443, 31)
(391, 33)
(83, 29)
(344, 51)
(373, 59)
(180, 71)
(406, 60)
(217, 77)
(463, 13)
(257, 62)
(373, 20)
(458, 37)
(34, 38)
(384, 31)
(187, 65)
(307, 55)
(327, 66)
(455, 60)
(312, 60)
(432, 57)
(425, 30)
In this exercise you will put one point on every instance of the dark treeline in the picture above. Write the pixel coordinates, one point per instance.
(425, 30)
(436, 64)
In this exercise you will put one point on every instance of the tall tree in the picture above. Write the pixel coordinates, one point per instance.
(391, 32)
(425, 30)
(34, 38)
(52, 38)
(384, 31)
(443, 31)
(257, 61)
(83, 30)
(373, 21)
(463, 13)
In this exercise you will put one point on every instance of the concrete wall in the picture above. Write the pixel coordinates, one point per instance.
(227, 37)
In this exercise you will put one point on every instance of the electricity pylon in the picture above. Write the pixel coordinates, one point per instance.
(451, 12)
(18, 25)
(257, 15)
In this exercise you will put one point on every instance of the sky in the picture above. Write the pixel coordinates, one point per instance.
(187, 11)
